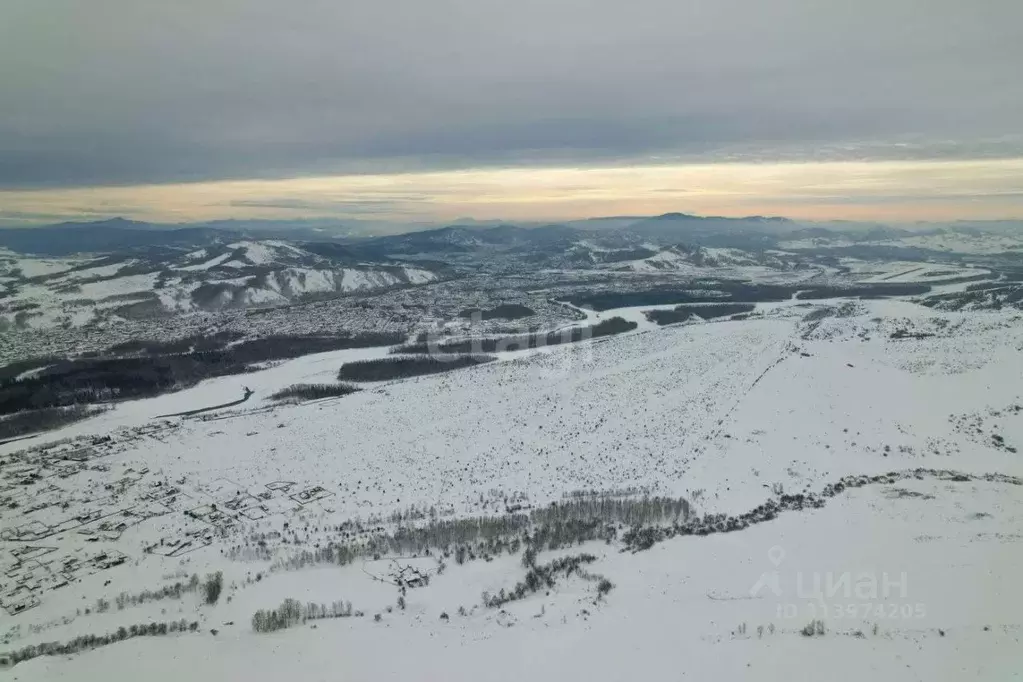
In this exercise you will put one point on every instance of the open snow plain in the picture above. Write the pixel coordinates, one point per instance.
(845, 478)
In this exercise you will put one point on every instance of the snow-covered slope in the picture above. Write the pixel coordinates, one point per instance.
(916, 572)
(693, 259)
(267, 252)
(239, 274)
(681, 610)
(286, 284)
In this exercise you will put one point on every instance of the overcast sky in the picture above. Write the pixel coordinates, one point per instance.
(103, 93)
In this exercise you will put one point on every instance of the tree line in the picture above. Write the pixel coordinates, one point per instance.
(685, 312)
(86, 642)
(733, 291)
(291, 612)
(558, 525)
(314, 391)
(400, 368)
(154, 370)
(35, 421)
(610, 327)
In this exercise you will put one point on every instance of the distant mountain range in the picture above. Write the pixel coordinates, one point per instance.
(77, 273)
(373, 237)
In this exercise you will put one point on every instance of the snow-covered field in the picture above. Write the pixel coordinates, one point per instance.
(901, 272)
(682, 610)
(917, 575)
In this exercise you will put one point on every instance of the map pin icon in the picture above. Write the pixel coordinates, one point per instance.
(776, 555)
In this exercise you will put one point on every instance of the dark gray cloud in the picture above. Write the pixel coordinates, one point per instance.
(124, 92)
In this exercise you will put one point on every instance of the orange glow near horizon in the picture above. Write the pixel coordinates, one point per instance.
(867, 190)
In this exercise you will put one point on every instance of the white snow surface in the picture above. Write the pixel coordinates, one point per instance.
(34, 267)
(718, 412)
(675, 612)
(211, 263)
(266, 251)
(119, 285)
(98, 271)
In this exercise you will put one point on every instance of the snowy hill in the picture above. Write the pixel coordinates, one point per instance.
(980, 240)
(873, 443)
(694, 258)
(234, 275)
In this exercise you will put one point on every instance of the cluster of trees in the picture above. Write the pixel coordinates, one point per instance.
(314, 391)
(734, 291)
(441, 535)
(571, 522)
(287, 347)
(558, 525)
(903, 333)
(990, 297)
(815, 628)
(558, 534)
(864, 290)
(631, 511)
(46, 419)
(92, 380)
(543, 577)
(641, 537)
(175, 591)
(684, 312)
(400, 368)
(15, 369)
(291, 612)
(615, 325)
(86, 642)
(467, 539)
(337, 553)
(213, 586)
